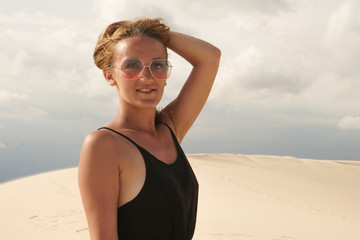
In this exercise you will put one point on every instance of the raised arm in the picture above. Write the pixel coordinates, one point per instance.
(204, 57)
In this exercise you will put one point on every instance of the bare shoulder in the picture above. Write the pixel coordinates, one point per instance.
(98, 142)
(96, 154)
(103, 147)
(100, 149)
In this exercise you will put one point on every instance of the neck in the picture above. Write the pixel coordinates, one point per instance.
(136, 119)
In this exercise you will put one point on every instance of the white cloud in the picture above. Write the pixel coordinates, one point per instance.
(344, 23)
(33, 113)
(274, 56)
(283, 64)
(343, 37)
(6, 96)
(2, 145)
(112, 10)
(37, 18)
(190, 15)
(26, 115)
(349, 123)
(54, 55)
(294, 59)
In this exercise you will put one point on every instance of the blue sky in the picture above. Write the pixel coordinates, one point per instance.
(288, 82)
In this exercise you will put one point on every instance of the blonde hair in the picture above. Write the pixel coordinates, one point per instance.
(104, 50)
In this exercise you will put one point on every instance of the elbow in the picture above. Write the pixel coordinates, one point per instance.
(215, 55)
(211, 58)
(208, 57)
(215, 52)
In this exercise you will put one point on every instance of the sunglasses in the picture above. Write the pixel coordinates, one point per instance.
(160, 69)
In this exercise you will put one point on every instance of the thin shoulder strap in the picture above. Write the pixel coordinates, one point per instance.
(119, 134)
(172, 134)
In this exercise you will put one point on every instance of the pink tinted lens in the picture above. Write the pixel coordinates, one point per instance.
(132, 68)
(160, 69)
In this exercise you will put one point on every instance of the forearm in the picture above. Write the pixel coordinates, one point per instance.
(205, 60)
(194, 50)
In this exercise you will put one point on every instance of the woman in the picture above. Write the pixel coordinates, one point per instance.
(135, 180)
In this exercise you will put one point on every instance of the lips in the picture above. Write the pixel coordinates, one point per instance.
(145, 90)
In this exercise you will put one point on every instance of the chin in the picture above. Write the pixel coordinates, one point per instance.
(148, 103)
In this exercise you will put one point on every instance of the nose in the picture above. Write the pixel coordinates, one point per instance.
(146, 74)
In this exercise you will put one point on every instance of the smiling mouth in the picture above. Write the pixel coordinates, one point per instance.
(145, 90)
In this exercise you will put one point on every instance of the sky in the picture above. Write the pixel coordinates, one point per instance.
(288, 82)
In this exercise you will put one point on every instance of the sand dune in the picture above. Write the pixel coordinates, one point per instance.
(241, 197)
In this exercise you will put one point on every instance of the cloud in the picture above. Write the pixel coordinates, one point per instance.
(284, 63)
(343, 37)
(32, 19)
(26, 115)
(6, 96)
(187, 13)
(288, 64)
(257, 71)
(112, 10)
(2, 145)
(264, 6)
(344, 22)
(257, 76)
(55, 54)
(349, 123)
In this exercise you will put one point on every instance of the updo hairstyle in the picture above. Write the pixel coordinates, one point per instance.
(104, 50)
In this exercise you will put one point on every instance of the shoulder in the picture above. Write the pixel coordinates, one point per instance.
(96, 151)
(103, 148)
(98, 139)
(98, 142)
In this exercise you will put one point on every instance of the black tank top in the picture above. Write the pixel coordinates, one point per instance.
(166, 206)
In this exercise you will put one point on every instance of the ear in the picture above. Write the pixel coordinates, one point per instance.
(108, 75)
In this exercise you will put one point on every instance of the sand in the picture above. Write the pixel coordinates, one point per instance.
(241, 197)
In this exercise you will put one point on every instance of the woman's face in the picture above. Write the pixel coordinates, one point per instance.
(143, 91)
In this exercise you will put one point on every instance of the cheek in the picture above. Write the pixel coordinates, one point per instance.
(125, 86)
(121, 81)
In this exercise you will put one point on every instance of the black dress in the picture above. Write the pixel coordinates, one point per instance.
(166, 206)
